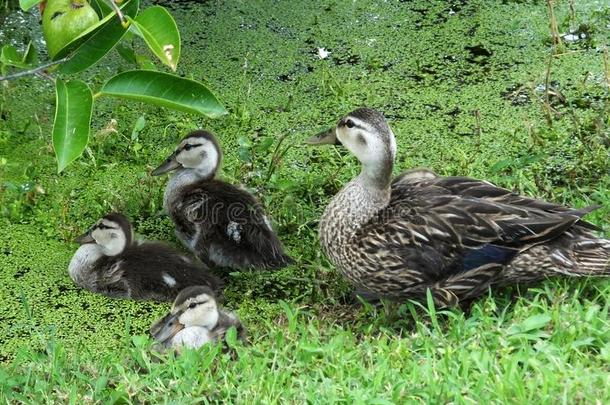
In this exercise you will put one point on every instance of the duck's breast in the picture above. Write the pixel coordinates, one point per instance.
(82, 263)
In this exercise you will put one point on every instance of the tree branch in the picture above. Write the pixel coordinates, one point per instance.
(34, 70)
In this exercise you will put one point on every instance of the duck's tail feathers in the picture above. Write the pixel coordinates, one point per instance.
(591, 257)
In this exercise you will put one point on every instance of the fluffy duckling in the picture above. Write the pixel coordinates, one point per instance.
(221, 224)
(194, 320)
(110, 262)
(452, 236)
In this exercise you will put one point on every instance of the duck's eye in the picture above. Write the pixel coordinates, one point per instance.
(350, 124)
(193, 305)
(190, 146)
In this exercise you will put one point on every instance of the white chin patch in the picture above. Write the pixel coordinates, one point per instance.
(192, 337)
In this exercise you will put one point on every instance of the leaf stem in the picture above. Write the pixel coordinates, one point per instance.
(118, 12)
(34, 70)
(97, 95)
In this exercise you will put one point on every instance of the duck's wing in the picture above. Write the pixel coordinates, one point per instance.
(235, 219)
(413, 176)
(481, 189)
(156, 270)
(453, 244)
(227, 320)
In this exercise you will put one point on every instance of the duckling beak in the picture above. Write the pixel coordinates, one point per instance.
(84, 238)
(170, 164)
(328, 137)
(167, 327)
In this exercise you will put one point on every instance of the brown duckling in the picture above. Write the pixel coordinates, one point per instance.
(221, 224)
(194, 320)
(110, 262)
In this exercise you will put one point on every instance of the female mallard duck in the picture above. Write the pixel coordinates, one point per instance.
(110, 262)
(454, 236)
(220, 223)
(195, 320)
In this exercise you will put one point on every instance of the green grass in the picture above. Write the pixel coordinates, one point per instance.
(418, 62)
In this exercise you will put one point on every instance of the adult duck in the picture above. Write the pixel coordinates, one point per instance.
(452, 236)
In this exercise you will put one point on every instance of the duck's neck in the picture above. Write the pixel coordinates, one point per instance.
(377, 176)
(356, 204)
(183, 178)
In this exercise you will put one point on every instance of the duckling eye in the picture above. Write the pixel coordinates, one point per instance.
(350, 124)
(193, 305)
(190, 146)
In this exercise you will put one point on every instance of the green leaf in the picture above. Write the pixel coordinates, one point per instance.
(98, 43)
(160, 32)
(31, 55)
(28, 4)
(101, 7)
(165, 90)
(10, 57)
(501, 165)
(126, 53)
(231, 337)
(139, 125)
(71, 127)
(76, 42)
(144, 62)
(534, 322)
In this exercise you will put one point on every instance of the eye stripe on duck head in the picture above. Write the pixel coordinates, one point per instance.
(192, 294)
(198, 138)
(117, 221)
(367, 135)
(199, 151)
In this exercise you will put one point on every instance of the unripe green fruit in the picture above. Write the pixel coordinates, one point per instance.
(64, 20)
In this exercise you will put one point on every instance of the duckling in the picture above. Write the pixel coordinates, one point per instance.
(221, 224)
(194, 320)
(110, 262)
(452, 236)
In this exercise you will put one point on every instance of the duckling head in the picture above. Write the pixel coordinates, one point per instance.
(194, 306)
(367, 135)
(112, 233)
(198, 152)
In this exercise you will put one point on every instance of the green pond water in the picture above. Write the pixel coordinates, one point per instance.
(463, 84)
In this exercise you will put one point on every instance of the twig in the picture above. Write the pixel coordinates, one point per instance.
(45, 76)
(607, 67)
(553, 25)
(547, 92)
(118, 12)
(33, 71)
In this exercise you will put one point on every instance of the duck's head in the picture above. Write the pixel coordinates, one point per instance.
(112, 233)
(194, 306)
(366, 134)
(198, 152)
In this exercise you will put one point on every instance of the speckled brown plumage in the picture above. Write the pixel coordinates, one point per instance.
(453, 236)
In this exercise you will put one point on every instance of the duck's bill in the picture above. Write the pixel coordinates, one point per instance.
(328, 137)
(170, 164)
(84, 238)
(166, 328)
